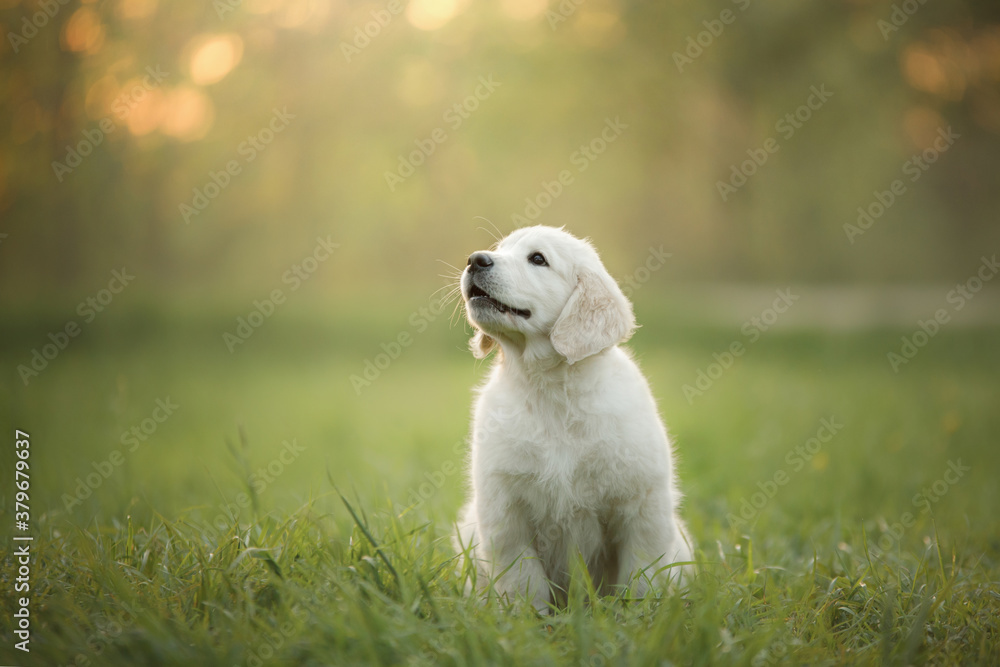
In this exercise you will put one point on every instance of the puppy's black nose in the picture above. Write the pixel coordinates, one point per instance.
(479, 261)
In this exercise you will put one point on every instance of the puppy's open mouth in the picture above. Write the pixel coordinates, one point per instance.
(479, 296)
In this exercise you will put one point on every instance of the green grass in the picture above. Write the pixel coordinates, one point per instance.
(166, 563)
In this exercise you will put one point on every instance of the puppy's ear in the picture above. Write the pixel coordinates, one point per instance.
(596, 317)
(481, 345)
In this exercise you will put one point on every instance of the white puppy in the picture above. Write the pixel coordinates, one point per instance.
(569, 454)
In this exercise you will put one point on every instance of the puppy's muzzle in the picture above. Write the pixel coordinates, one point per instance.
(479, 265)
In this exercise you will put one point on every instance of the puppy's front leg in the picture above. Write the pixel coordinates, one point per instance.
(652, 539)
(507, 544)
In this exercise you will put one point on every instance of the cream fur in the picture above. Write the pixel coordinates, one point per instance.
(569, 454)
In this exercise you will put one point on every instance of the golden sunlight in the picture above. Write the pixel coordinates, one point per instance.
(146, 111)
(84, 31)
(135, 10)
(213, 57)
(433, 14)
(188, 114)
(523, 10)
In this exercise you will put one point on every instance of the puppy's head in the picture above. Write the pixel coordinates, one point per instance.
(542, 290)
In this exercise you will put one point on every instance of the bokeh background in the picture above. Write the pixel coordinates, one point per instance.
(229, 64)
(229, 230)
(118, 114)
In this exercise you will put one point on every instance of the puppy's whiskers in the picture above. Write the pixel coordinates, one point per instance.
(497, 236)
(456, 315)
(451, 266)
(434, 293)
(452, 293)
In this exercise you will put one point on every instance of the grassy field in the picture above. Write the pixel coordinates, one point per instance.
(843, 513)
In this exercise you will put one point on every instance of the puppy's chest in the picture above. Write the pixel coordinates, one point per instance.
(569, 470)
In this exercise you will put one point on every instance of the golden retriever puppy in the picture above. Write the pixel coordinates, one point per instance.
(569, 455)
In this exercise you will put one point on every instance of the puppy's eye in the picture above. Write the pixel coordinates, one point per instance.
(538, 259)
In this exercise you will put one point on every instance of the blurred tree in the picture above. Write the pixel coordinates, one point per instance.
(97, 157)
